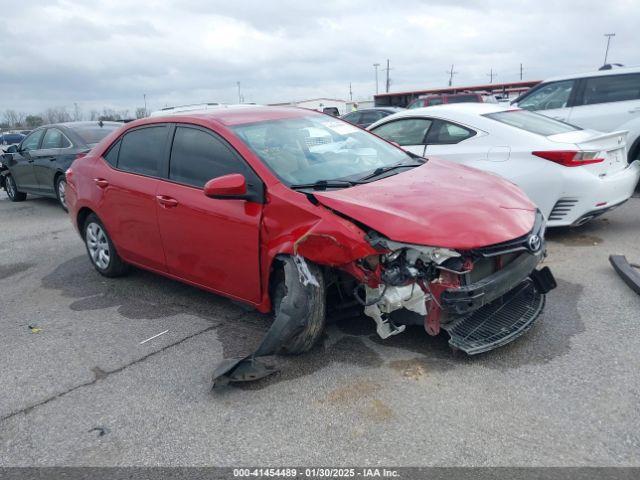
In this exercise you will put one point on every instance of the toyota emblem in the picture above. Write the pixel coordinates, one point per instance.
(534, 243)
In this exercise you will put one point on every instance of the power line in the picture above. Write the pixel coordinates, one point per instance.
(376, 65)
(451, 74)
(491, 74)
(606, 52)
(388, 79)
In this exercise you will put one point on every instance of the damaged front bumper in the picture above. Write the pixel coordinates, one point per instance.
(482, 299)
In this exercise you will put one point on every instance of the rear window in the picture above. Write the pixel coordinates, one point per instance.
(532, 122)
(92, 134)
(463, 99)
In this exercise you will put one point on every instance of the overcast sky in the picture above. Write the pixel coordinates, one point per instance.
(110, 52)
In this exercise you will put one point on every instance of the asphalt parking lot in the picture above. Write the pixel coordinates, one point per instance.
(84, 391)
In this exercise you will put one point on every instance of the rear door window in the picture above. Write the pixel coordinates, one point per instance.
(198, 156)
(447, 133)
(549, 96)
(142, 150)
(54, 139)
(611, 88)
(409, 131)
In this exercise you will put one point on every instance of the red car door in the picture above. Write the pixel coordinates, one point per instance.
(128, 203)
(210, 242)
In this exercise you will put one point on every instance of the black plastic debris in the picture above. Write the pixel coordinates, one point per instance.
(289, 321)
(102, 431)
(629, 272)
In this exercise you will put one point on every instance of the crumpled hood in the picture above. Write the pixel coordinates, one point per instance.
(440, 204)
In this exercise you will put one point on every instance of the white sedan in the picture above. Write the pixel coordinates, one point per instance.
(573, 175)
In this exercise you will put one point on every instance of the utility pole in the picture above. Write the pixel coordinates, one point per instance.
(520, 72)
(451, 74)
(375, 66)
(350, 92)
(144, 96)
(606, 52)
(491, 75)
(240, 97)
(388, 79)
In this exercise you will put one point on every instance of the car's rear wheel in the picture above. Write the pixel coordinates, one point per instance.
(12, 190)
(101, 250)
(61, 191)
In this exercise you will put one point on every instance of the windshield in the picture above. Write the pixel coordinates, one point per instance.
(532, 122)
(310, 149)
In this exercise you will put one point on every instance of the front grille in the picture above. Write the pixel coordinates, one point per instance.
(562, 208)
(498, 322)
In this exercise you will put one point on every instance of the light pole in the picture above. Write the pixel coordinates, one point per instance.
(606, 52)
(144, 95)
(375, 66)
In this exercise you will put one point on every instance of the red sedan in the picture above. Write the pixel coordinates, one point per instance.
(298, 213)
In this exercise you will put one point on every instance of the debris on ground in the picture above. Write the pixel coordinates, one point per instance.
(34, 329)
(155, 336)
(629, 272)
(102, 431)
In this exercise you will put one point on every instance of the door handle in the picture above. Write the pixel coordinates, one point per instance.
(101, 182)
(167, 202)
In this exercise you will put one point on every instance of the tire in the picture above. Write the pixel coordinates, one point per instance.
(61, 189)
(315, 320)
(12, 190)
(102, 253)
(634, 151)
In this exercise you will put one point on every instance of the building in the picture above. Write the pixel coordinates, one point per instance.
(504, 91)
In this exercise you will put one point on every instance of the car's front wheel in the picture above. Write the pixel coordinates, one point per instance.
(101, 250)
(61, 191)
(12, 190)
(307, 300)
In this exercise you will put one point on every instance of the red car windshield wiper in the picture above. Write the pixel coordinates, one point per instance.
(381, 170)
(324, 184)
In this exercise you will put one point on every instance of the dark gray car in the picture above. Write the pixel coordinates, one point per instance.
(368, 116)
(38, 164)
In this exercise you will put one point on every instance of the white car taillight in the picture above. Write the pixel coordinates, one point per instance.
(569, 158)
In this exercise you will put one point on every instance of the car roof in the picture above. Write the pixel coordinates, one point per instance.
(597, 73)
(236, 115)
(469, 114)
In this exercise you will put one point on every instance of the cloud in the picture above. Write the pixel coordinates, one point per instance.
(111, 53)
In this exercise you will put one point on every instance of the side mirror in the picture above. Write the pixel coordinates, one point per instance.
(231, 186)
(11, 149)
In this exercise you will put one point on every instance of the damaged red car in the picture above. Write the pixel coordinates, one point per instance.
(302, 215)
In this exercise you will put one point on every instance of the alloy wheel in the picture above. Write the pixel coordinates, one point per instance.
(11, 187)
(98, 245)
(62, 192)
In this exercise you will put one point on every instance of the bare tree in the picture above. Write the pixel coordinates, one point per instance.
(77, 112)
(14, 119)
(33, 121)
(56, 115)
(94, 115)
(141, 112)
